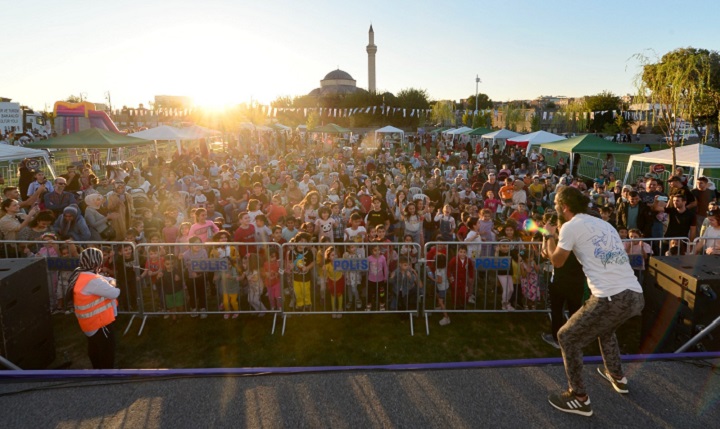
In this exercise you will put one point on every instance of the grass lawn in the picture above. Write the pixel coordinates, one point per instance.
(319, 340)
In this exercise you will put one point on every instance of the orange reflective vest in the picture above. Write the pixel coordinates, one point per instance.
(93, 312)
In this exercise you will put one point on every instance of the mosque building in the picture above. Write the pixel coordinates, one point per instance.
(340, 83)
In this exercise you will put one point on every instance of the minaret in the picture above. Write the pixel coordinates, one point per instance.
(371, 50)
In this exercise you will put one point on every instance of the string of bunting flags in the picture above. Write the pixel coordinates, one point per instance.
(266, 110)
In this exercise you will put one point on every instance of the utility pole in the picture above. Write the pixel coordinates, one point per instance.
(109, 100)
(477, 81)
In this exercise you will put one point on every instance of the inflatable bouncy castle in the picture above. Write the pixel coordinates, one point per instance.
(73, 117)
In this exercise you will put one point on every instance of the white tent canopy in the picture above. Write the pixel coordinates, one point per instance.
(536, 138)
(697, 156)
(198, 132)
(390, 130)
(458, 131)
(15, 154)
(163, 132)
(500, 135)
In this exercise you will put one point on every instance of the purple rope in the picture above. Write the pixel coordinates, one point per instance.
(120, 373)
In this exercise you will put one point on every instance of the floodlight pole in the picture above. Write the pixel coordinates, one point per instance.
(477, 81)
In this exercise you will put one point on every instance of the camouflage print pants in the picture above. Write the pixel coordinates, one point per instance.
(598, 318)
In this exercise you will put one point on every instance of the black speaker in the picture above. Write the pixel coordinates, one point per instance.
(681, 298)
(26, 334)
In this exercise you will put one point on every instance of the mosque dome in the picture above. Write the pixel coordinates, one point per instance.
(338, 75)
(337, 82)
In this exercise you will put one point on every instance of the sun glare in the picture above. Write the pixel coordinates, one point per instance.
(216, 78)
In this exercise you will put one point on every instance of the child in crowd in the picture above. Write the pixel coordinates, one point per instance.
(226, 281)
(277, 236)
(377, 278)
(195, 279)
(491, 203)
(623, 232)
(463, 229)
(355, 230)
(253, 210)
(405, 283)
(446, 224)
(245, 233)
(50, 250)
(271, 275)
(302, 261)
(409, 251)
(461, 274)
(441, 285)
(289, 232)
(636, 248)
(505, 277)
(339, 225)
(320, 280)
(170, 231)
(354, 278)
(335, 283)
(413, 223)
(251, 268)
(262, 230)
(324, 224)
(171, 286)
(153, 269)
(529, 278)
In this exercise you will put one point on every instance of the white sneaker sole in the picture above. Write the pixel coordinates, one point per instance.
(567, 410)
(615, 386)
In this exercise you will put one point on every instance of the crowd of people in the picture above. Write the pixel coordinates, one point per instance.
(356, 202)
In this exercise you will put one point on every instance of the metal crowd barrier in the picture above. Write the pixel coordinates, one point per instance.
(222, 279)
(370, 279)
(62, 257)
(485, 277)
(213, 278)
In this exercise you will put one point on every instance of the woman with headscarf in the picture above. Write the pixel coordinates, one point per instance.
(94, 298)
(95, 220)
(71, 224)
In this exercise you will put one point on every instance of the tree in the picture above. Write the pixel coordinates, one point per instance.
(74, 99)
(442, 113)
(606, 102)
(513, 117)
(466, 118)
(684, 85)
(484, 102)
(482, 120)
(313, 120)
(535, 123)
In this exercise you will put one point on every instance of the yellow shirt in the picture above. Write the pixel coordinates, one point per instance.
(330, 272)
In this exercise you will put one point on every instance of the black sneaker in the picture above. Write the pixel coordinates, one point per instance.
(548, 338)
(620, 386)
(567, 402)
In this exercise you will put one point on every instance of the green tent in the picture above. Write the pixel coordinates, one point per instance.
(479, 131)
(331, 129)
(93, 138)
(439, 130)
(590, 143)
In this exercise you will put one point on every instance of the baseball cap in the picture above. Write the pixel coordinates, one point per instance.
(628, 187)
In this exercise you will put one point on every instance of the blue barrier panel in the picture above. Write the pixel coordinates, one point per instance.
(487, 264)
(351, 265)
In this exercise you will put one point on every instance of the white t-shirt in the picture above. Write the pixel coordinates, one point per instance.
(598, 247)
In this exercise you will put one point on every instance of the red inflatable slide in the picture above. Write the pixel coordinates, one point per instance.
(74, 117)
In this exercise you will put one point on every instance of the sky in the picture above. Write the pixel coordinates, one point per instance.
(225, 52)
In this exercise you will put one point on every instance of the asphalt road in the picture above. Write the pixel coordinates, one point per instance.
(662, 395)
